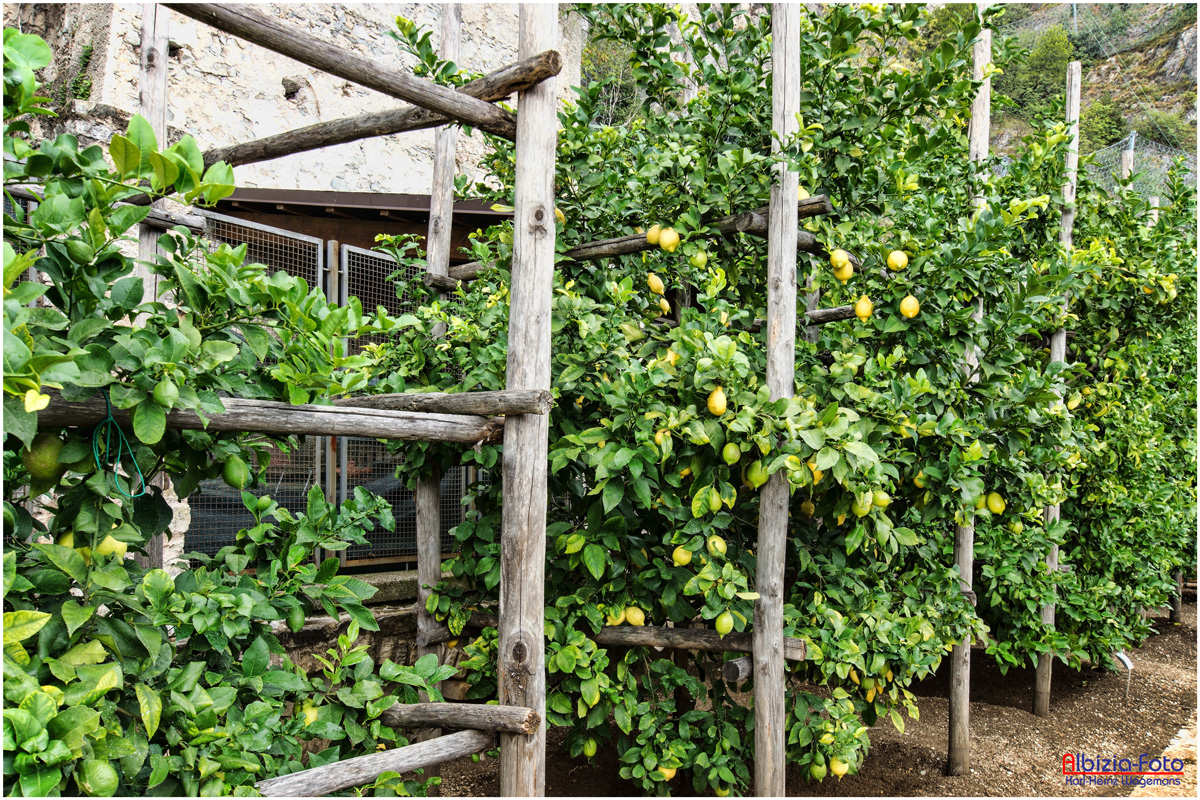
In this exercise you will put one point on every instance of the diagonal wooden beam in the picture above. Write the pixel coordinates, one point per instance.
(490, 88)
(252, 26)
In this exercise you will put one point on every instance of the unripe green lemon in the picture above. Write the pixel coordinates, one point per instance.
(589, 747)
(995, 503)
(41, 459)
(714, 501)
(756, 474)
(730, 453)
(166, 393)
(699, 260)
(818, 771)
(236, 473)
(724, 623)
(861, 509)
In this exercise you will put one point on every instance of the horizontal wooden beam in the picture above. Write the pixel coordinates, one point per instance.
(157, 218)
(472, 716)
(266, 416)
(738, 669)
(257, 28)
(498, 403)
(478, 619)
(636, 243)
(689, 639)
(491, 87)
(325, 780)
(818, 316)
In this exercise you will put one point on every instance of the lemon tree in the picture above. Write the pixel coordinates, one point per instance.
(890, 440)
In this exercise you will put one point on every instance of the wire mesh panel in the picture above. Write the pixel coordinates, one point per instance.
(217, 510)
(1151, 163)
(367, 462)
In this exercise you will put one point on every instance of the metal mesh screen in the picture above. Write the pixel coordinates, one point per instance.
(217, 510)
(1151, 163)
(366, 462)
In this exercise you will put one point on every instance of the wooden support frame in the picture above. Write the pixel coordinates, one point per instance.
(428, 495)
(322, 781)
(1058, 353)
(157, 218)
(152, 104)
(491, 88)
(692, 639)
(770, 761)
(498, 403)
(522, 637)
(471, 716)
(257, 28)
(267, 416)
(752, 222)
(958, 750)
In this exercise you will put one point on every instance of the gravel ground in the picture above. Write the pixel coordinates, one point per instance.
(1013, 753)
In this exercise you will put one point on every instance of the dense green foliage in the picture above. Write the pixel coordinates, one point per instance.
(891, 440)
(125, 681)
(1035, 83)
(638, 463)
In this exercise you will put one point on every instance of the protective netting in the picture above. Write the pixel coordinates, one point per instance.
(1151, 163)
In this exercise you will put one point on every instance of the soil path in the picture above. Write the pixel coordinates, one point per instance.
(1012, 752)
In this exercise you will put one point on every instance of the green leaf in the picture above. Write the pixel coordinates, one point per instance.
(590, 689)
(73, 725)
(20, 625)
(862, 450)
(613, 493)
(827, 457)
(126, 156)
(75, 615)
(66, 559)
(594, 559)
(89, 652)
(150, 704)
(158, 585)
(149, 422)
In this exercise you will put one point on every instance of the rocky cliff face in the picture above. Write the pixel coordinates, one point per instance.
(1161, 74)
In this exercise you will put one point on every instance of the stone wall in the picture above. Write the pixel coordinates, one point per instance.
(223, 91)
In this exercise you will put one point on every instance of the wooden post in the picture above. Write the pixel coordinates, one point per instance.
(958, 751)
(522, 645)
(769, 687)
(1154, 201)
(1126, 163)
(1058, 352)
(152, 104)
(428, 495)
(1177, 598)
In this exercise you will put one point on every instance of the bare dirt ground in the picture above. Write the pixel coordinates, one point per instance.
(1013, 753)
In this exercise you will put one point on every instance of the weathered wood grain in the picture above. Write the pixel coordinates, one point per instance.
(323, 781)
(689, 639)
(440, 633)
(1058, 353)
(521, 649)
(497, 403)
(471, 716)
(491, 87)
(738, 669)
(266, 416)
(250, 25)
(958, 761)
(770, 760)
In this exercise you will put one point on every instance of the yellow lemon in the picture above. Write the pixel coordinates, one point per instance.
(919, 480)
(897, 260)
(909, 307)
(667, 772)
(668, 239)
(854, 677)
(717, 403)
(681, 556)
(664, 305)
(661, 436)
(615, 619)
(717, 546)
(802, 193)
(655, 282)
(808, 509)
(653, 234)
(111, 547)
(844, 274)
(838, 767)
(839, 259)
(635, 616)
(725, 318)
(864, 308)
(559, 216)
(995, 503)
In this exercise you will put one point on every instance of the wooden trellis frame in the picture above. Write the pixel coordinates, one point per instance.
(524, 405)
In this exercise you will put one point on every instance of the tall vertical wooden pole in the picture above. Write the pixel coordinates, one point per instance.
(1177, 598)
(522, 647)
(1058, 352)
(152, 104)
(958, 751)
(1126, 163)
(769, 707)
(428, 495)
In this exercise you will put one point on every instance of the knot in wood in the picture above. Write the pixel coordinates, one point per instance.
(519, 652)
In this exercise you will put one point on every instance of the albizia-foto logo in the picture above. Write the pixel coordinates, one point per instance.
(1080, 769)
